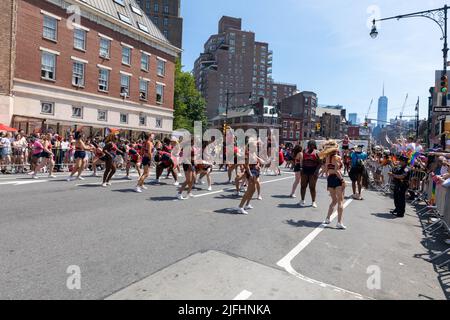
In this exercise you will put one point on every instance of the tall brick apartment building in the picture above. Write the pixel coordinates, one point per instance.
(111, 67)
(234, 62)
(166, 15)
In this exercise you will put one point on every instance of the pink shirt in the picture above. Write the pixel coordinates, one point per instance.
(37, 147)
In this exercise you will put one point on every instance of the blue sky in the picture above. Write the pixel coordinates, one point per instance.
(324, 46)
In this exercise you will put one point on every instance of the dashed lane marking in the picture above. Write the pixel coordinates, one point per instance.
(244, 295)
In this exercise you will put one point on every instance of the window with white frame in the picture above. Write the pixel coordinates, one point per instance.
(47, 108)
(102, 115)
(50, 28)
(78, 74)
(144, 61)
(284, 134)
(105, 48)
(79, 39)
(48, 66)
(142, 120)
(143, 89)
(124, 118)
(103, 79)
(77, 112)
(159, 93)
(126, 55)
(159, 123)
(124, 85)
(161, 71)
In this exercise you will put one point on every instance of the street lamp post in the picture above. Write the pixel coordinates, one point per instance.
(437, 15)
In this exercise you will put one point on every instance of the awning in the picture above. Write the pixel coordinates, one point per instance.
(6, 128)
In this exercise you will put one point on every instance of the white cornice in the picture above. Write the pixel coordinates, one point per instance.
(117, 25)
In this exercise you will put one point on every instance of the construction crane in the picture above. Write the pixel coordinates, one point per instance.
(368, 112)
(404, 106)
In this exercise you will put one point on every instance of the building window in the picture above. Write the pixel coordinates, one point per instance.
(102, 115)
(78, 74)
(165, 22)
(156, 7)
(50, 28)
(144, 62)
(79, 39)
(291, 135)
(166, 33)
(123, 118)
(159, 123)
(143, 89)
(161, 68)
(166, 9)
(159, 93)
(103, 80)
(48, 66)
(142, 120)
(77, 112)
(284, 134)
(297, 135)
(126, 55)
(297, 124)
(124, 85)
(285, 124)
(105, 46)
(156, 20)
(47, 108)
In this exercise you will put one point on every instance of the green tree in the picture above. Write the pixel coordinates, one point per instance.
(189, 105)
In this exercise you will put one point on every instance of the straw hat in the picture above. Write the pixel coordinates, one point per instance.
(328, 148)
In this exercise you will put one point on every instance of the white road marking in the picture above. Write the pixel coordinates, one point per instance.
(285, 262)
(19, 183)
(233, 188)
(244, 295)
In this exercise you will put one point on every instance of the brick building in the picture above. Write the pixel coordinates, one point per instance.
(298, 117)
(332, 121)
(166, 15)
(233, 66)
(107, 67)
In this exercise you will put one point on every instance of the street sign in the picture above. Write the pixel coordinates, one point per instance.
(441, 109)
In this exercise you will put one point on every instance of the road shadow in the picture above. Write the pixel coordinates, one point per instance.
(90, 186)
(229, 211)
(282, 197)
(227, 197)
(289, 206)
(303, 223)
(387, 216)
(125, 190)
(162, 199)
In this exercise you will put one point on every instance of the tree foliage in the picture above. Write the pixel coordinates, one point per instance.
(189, 105)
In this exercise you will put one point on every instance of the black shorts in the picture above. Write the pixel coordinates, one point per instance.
(255, 173)
(297, 168)
(345, 147)
(79, 155)
(355, 173)
(334, 182)
(146, 161)
(46, 155)
(188, 167)
(309, 171)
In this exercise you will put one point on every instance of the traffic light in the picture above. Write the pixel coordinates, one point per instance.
(444, 84)
(318, 127)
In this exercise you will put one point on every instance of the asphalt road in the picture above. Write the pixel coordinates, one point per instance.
(152, 246)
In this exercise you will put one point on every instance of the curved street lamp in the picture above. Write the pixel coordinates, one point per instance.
(374, 32)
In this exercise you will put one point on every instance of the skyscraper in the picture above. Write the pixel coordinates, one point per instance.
(233, 66)
(166, 15)
(382, 110)
(353, 118)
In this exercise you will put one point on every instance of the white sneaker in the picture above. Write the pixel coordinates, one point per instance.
(144, 187)
(128, 178)
(51, 176)
(326, 222)
(104, 185)
(109, 184)
(34, 176)
(340, 226)
(31, 173)
(70, 179)
(190, 195)
(180, 175)
(138, 190)
(209, 188)
(303, 203)
(249, 207)
(180, 197)
(80, 178)
(176, 183)
(242, 211)
(259, 198)
(94, 175)
(293, 196)
(237, 194)
(314, 205)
